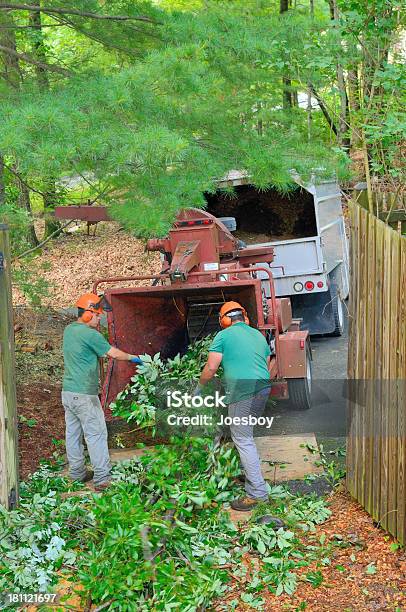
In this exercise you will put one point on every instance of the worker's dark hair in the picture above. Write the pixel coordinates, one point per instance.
(80, 312)
(237, 317)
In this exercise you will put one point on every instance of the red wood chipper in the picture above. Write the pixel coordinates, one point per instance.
(203, 265)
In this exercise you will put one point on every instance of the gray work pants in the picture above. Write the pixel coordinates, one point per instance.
(84, 417)
(243, 438)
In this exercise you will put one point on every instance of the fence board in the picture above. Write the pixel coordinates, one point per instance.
(377, 388)
(362, 323)
(355, 245)
(393, 385)
(8, 410)
(370, 367)
(353, 211)
(384, 432)
(376, 458)
(401, 416)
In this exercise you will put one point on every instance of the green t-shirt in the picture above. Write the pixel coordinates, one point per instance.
(82, 346)
(245, 352)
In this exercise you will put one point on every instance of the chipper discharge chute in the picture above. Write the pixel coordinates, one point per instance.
(203, 266)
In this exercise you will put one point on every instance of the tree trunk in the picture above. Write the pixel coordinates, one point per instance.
(324, 109)
(343, 122)
(11, 72)
(50, 199)
(50, 196)
(289, 95)
(309, 115)
(331, 7)
(40, 51)
(260, 123)
(353, 90)
(25, 202)
(12, 76)
(354, 106)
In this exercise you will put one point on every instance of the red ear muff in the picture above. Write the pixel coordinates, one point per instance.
(87, 316)
(226, 321)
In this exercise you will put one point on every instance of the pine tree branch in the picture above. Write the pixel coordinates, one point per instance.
(106, 43)
(324, 110)
(17, 175)
(70, 11)
(30, 60)
(41, 244)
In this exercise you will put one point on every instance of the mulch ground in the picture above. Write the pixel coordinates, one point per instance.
(39, 369)
(42, 402)
(72, 263)
(361, 547)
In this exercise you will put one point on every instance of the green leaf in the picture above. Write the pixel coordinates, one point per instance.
(261, 547)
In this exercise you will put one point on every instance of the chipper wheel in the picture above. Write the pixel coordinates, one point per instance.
(300, 389)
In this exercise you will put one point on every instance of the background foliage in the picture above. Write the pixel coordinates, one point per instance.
(153, 102)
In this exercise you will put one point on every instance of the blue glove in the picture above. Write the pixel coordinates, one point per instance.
(136, 360)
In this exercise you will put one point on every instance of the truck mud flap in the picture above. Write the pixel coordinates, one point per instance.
(316, 312)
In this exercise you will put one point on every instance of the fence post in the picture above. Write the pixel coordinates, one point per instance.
(8, 402)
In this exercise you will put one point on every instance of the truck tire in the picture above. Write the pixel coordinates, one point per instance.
(338, 311)
(300, 389)
(229, 222)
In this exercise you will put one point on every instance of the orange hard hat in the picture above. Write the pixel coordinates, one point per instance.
(226, 309)
(229, 306)
(90, 302)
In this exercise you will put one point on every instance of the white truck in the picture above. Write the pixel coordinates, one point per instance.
(306, 228)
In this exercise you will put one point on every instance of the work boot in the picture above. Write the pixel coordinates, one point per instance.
(245, 504)
(102, 486)
(88, 476)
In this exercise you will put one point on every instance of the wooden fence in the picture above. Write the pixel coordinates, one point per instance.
(388, 206)
(8, 410)
(376, 453)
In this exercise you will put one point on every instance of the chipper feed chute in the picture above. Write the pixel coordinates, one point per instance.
(167, 318)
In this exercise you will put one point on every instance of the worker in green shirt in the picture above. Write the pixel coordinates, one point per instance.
(244, 355)
(83, 345)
